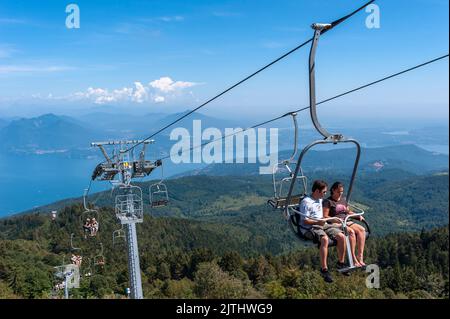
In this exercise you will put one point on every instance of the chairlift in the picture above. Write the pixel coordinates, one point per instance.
(291, 209)
(99, 259)
(77, 256)
(88, 217)
(159, 197)
(282, 175)
(119, 236)
(72, 246)
(86, 268)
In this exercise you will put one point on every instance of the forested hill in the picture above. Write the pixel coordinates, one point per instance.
(218, 238)
(192, 259)
(394, 200)
(408, 157)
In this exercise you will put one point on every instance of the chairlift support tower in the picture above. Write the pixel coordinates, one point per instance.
(129, 204)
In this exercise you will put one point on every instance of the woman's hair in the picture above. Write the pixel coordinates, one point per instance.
(336, 186)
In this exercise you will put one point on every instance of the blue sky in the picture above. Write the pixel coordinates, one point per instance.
(170, 55)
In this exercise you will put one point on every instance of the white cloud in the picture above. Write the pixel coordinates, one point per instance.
(159, 99)
(140, 94)
(157, 91)
(167, 85)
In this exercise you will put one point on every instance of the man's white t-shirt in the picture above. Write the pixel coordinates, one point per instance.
(310, 208)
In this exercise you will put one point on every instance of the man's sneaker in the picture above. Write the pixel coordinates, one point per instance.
(341, 266)
(326, 275)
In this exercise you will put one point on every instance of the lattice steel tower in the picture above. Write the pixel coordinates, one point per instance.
(128, 202)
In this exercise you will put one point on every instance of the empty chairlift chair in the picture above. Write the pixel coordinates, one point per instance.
(282, 176)
(159, 197)
(119, 237)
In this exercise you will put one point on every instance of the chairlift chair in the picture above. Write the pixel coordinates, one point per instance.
(86, 268)
(72, 246)
(159, 197)
(119, 236)
(88, 213)
(291, 210)
(76, 252)
(282, 175)
(99, 259)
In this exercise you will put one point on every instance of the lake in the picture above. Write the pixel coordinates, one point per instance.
(28, 182)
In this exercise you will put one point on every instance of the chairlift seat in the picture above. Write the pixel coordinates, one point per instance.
(295, 224)
(280, 203)
(160, 203)
(118, 234)
(159, 197)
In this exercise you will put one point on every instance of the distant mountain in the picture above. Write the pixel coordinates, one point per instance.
(143, 125)
(46, 134)
(123, 125)
(206, 121)
(406, 157)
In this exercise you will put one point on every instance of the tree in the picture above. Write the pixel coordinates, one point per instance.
(213, 283)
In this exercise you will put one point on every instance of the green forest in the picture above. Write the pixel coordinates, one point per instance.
(218, 239)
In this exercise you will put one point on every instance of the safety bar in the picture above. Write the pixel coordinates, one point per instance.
(319, 219)
(354, 215)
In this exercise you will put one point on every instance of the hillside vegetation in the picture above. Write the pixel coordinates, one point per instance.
(192, 259)
(218, 239)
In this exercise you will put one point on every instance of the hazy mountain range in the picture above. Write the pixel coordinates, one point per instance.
(58, 133)
(53, 133)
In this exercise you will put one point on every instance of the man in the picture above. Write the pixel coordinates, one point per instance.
(315, 228)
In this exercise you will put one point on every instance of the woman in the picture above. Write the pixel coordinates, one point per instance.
(337, 206)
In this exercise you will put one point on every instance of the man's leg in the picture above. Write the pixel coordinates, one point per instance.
(324, 252)
(340, 238)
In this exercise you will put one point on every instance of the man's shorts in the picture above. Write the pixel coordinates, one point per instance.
(317, 232)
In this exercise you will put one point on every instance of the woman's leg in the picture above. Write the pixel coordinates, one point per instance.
(360, 233)
(352, 238)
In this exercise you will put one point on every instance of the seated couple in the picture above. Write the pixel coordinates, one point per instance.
(317, 229)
